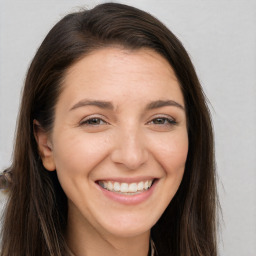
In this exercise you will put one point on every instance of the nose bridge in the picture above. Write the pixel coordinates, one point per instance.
(130, 147)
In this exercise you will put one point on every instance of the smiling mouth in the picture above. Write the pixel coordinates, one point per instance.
(126, 188)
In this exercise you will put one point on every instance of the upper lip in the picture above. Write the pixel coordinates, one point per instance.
(127, 179)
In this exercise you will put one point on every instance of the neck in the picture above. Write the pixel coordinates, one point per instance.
(84, 240)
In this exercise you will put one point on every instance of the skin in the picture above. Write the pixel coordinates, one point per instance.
(123, 142)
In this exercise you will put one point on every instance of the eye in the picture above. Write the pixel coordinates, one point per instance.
(93, 121)
(161, 123)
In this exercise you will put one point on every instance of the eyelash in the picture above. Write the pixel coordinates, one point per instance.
(87, 121)
(167, 121)
(99, 121)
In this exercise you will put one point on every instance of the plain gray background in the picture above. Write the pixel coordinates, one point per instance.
(220, 37)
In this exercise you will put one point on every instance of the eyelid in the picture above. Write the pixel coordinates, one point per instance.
(163, 116)
(94, 116)
(167, 123)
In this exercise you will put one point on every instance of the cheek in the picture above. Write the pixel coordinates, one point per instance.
(78, 154)
(171, 152)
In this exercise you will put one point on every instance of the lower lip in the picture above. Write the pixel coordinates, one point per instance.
(129, 199)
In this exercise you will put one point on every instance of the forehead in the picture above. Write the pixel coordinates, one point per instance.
(116, 59)
(115, 73)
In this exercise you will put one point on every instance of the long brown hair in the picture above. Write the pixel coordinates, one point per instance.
(36, 214)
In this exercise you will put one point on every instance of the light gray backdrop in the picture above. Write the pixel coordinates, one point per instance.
(220, 36)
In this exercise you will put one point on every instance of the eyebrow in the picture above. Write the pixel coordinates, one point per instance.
(163, 103)
(108, 105)
(97, 103)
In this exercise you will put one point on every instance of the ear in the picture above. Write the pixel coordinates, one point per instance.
(44, 146)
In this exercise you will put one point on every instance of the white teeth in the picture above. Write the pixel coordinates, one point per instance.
(140, 186)
(132, 187)
(105, 185)
(125, 187)
(117, 186)
(110, 185)
(146, 185)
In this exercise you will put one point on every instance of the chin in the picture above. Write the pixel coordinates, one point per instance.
(127, 226)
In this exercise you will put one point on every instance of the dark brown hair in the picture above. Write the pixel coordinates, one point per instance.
(36, 214)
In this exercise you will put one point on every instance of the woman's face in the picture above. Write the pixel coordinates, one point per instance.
(119, 142)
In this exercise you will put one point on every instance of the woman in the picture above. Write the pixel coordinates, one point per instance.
(114, 148)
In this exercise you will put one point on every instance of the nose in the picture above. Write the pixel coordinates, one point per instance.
(130, 149)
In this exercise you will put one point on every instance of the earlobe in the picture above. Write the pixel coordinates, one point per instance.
(44, 145)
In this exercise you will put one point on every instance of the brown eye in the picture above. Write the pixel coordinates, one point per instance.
(93, 121)
(159, 121)
(163, 121)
